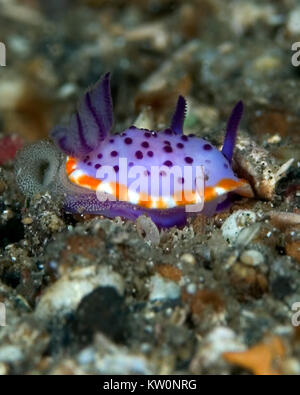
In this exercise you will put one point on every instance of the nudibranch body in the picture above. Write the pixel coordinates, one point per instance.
(101, 169)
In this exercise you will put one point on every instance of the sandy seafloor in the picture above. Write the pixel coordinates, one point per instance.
(89, 295)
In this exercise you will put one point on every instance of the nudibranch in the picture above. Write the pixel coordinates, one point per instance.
(93, 171)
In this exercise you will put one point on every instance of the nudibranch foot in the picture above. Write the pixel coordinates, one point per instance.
(89, 204)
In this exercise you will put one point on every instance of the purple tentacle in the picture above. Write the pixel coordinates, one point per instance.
(90, 124)
(99, 103)
(178, 116)
(231, 130)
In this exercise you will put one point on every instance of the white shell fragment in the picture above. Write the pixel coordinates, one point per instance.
(67, 292)
(235, 223)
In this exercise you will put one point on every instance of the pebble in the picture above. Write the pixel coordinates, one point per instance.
(10, 354)
(27, 221)
(191, 288)
(293, 22)
(86, 356)
(3, 369)
(160, 288)
(122, 363)
(293, 249)
(188, 258)
(221, 339)
(291, 366)
(12, 90)
(66, 294)
(252, 257)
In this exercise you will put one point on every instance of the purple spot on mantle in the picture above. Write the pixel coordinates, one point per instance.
(139, 155)
(207, 147)
(188, 159)
(128, 140)
(168, 149)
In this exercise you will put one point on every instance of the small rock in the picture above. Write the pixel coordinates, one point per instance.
(86, 356)
(248, 282)
(102, 310)
(293, 249)
(191, 288)
(188, 258)
(216, 342)
(65, 295)
(169, 272)
(10, 354)
(293, 22)
(123, 363)
(291, 366)
(252, 257)
(247, 14)
(267, 63)
(27, 221)
(3, 369)
(12, 89)
(67, 367)
(204, 300)
(160, 288)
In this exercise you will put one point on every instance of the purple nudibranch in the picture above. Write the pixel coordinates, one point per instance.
(73, 168)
